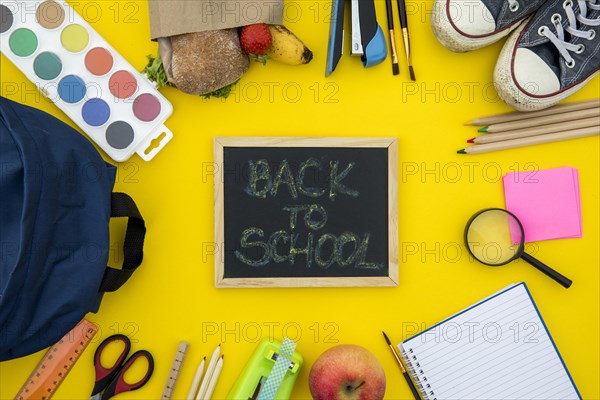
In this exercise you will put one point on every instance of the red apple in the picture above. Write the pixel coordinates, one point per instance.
(347, 372)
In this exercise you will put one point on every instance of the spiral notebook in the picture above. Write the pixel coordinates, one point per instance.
(498, 348)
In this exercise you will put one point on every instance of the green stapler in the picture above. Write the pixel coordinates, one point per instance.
(263, 377)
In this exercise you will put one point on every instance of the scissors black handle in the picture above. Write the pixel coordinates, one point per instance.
(105, 375)
(119, 385)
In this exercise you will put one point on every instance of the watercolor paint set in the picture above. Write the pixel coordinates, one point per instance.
(72, 65)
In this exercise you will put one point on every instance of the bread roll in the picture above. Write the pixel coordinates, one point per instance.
(203, 62)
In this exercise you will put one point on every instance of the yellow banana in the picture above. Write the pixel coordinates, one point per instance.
(287, 48)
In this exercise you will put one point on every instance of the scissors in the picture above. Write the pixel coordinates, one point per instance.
(111, 380)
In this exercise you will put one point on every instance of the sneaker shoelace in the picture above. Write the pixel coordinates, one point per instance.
(563, 46)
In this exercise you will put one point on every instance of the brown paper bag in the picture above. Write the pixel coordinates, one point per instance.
(176, 17)
(170, 18)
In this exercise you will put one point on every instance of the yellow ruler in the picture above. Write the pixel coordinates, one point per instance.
(57, 362)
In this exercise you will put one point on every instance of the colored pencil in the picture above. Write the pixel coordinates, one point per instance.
(208, 374)
(517, 116)
(539, 121)
(411, 385)
(390, 21)
(196, 382)
(214, 378)
(539, 130)
(529, 141)
(405, 36)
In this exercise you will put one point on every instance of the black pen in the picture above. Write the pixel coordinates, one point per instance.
(413, 389)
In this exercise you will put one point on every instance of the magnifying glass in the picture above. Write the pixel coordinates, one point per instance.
(496, 237)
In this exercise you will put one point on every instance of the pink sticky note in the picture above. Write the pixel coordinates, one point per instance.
(546, 202)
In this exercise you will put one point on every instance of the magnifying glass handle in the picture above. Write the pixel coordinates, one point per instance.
(563, 280)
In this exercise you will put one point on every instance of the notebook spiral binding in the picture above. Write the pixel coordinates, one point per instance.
(419, 378)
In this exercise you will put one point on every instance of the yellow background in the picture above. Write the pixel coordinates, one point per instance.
(172, 297)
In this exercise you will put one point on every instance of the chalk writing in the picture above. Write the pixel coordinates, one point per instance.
(262, 182)
(319, 248)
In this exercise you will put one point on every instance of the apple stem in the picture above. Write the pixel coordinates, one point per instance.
(362, 383)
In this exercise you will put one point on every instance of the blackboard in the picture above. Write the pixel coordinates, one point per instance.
(306, 212)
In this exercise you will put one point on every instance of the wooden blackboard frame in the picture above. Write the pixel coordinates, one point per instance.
(391, 144)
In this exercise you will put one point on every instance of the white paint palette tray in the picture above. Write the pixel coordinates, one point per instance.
(72, 65)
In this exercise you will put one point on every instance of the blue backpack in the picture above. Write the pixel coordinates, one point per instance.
(56, 201)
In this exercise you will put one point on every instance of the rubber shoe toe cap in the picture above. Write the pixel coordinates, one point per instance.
(533, 75)
(471, 17)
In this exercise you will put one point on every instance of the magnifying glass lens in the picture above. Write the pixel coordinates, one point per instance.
(494, 237)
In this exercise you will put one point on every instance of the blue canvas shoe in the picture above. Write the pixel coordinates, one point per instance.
(463, 25)
(550, 56)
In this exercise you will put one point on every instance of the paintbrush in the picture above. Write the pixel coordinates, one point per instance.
(404, 27)
(411, 385)
(390, 21)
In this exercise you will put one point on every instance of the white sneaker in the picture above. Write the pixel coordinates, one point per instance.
(551, 56)
(464, 25)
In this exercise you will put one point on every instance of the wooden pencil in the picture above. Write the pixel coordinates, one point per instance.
(196, 382)
(517, 116)
(201, 395)
(529, 141)
(539, 130)
(539, 121)
(213, 379)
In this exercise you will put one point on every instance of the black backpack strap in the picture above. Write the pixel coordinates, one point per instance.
(133, 249)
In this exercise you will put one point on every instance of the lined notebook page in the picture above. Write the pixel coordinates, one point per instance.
(496, 349)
